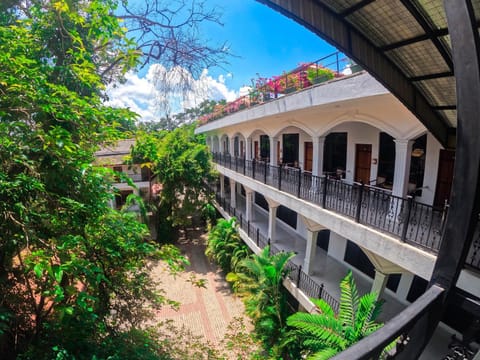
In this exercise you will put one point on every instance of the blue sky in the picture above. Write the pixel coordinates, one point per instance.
(263, 41)
(266, 42)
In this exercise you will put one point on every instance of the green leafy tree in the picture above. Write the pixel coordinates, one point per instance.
(258, 279)
(180, 161)
(325, 334)
(73, 272)
(186, 117)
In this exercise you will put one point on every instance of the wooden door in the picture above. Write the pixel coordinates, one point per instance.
(444, 177)
(242, 151)
(363, 160)
(255, 151)
(308, 158)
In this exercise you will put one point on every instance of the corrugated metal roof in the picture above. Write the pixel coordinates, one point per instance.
(404, 43)
(407, 32)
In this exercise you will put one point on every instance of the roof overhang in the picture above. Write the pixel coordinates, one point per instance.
(404, 44)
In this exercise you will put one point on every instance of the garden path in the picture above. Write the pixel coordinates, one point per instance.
(205, 311)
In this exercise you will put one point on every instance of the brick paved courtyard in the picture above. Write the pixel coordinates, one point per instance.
(207, 311)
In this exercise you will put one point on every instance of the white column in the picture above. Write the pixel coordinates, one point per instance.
(248, 149)
(233, 193)
(318, 146)
(404, 285)
(273, 150)
(310, 251)
(272, 218)
(379, 283)
(337, 245)
(232, 145)
(272, 222)
(403, 153)
(249, 193)
(222, 186)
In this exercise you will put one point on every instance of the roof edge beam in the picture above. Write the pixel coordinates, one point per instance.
(445, 107)
(431, 76)
(331, 27)
(355, 7)
(429, 36)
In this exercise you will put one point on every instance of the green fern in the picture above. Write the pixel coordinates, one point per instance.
(325, 334)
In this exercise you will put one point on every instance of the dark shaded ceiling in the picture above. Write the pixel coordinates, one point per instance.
(405, 44)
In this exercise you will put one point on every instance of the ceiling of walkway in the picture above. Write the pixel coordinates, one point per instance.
(405, 44)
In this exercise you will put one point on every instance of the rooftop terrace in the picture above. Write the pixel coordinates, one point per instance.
(326, 69)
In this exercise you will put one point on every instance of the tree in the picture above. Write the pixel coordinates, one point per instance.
(71, 268)
(188, 116)
(258, 279)
(168, 32)
(325, 334)
(180, 161)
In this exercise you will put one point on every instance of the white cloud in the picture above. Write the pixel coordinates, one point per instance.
(146, 95)
(137, 94)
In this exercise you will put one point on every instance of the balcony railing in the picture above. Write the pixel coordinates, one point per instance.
(405, 218)
(411, 221)
(407, 329)
(302, 280)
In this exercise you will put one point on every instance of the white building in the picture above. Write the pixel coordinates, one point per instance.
(347, 157)
(113, 157)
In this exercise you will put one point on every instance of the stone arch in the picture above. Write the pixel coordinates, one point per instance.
(361, 118)
(224, 144)
(239, 144)
(296, 124)
(215, 144)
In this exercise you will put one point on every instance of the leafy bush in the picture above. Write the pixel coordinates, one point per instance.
(258, 279)
(318, 74)
(225, 246)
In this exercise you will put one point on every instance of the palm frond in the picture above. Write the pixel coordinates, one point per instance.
(324, 354)
(325, 328)
(324, 307)
(365, 311)
(348, 300)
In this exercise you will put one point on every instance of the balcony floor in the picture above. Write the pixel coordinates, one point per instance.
(330, 272)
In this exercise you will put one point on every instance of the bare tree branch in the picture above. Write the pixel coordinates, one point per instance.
(169, 33)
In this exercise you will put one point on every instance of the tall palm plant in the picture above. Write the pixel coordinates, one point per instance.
(258, 279)
(325, 334)
(225, 246)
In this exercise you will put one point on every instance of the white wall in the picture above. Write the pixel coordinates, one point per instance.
(359, 133)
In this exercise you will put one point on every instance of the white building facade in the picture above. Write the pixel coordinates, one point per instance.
(346, 159)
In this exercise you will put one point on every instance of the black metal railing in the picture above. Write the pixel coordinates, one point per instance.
(295, 273)
(405, 218)
(415, 223)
